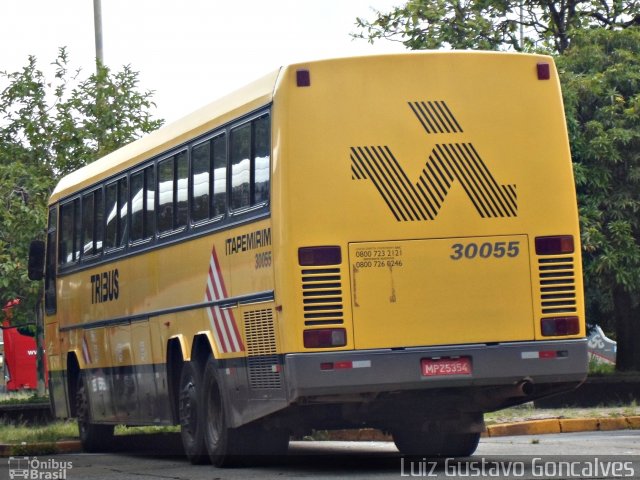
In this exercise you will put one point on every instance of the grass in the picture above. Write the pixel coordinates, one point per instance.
(597, 368)
(19, 433)
(122, 430)
(11, 433)
(21, 398)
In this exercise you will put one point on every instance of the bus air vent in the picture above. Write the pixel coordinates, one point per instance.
(557, 284)
(322, 296)
(262, 350)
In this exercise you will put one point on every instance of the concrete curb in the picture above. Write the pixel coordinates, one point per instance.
(529, 427)
(563, 425)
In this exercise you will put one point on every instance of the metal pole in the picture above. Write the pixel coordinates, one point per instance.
(521, 25)
(97, 21)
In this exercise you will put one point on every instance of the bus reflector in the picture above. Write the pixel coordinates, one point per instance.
(313, 256)
(347, 365)
(556, 245)
(325, 338)
(303, 78)
(560, 326)
(544, 72)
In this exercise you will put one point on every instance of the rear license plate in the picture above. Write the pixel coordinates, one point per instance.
(440, 367)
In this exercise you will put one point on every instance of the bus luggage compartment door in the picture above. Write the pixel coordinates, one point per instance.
(441, 291)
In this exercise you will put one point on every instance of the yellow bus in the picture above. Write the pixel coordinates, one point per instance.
(386, 241)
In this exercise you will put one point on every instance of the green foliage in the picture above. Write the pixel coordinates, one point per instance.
(600, 75)
(23, 399)
(495, 24)
(597, 368)
(48, 128)
(12, 433)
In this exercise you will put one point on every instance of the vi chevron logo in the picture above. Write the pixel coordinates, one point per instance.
(447, 163)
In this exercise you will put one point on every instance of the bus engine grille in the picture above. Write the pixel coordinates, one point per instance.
(262, 350)
(557, 284)
(322, 296)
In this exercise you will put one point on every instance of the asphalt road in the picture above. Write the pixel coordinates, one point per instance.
(579, 455)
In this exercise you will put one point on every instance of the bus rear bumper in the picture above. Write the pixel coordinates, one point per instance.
(543, 367)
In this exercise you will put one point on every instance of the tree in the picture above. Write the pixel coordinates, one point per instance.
(600, 75)
(48, 129)
(496, 24)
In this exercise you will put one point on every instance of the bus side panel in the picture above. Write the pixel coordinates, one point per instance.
(57, 375)
(254, 383)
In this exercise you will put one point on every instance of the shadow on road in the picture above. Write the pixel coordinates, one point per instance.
(301, 456)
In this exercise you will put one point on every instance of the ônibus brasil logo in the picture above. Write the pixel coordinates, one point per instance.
(35, 469)
(447, 163)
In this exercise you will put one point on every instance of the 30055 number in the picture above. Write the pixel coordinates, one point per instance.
(473, 250)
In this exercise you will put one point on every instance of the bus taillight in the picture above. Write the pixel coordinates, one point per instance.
(560, 326)
(325, 338)
(314, 256)
(556, 245)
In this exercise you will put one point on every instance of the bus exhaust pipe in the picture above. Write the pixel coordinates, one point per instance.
(524, 388)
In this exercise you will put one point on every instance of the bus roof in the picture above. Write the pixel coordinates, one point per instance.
(244, 100)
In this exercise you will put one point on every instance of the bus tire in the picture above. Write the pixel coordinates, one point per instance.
(436, 444)
(190, 414)
(222, 443)
(93, 437)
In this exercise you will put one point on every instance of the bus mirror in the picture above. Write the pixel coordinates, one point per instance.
(36, 260)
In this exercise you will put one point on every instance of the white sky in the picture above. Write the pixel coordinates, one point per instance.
(189, 51)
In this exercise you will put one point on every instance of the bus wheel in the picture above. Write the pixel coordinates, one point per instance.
(221, 442)
(436, 444)
(93, 437)
(191, 428)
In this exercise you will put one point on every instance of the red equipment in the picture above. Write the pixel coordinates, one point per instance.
(20, 355)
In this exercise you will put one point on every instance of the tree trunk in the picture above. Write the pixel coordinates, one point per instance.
(627, 321)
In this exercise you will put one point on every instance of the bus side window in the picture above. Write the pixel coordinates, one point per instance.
(201, 181)
(111, 212)
(77, 230)
(50, 264)
(116, 211)
(150, 199)
(70, 232)
(137, 206)
(250, 150)
(65, 253)
(219, 175)
(165, 195)
(99, 222)
(240, 153)
(261, 166)
(87, 224)
(123, 206)
(142, 198)
(92, 217)
(182, 189)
